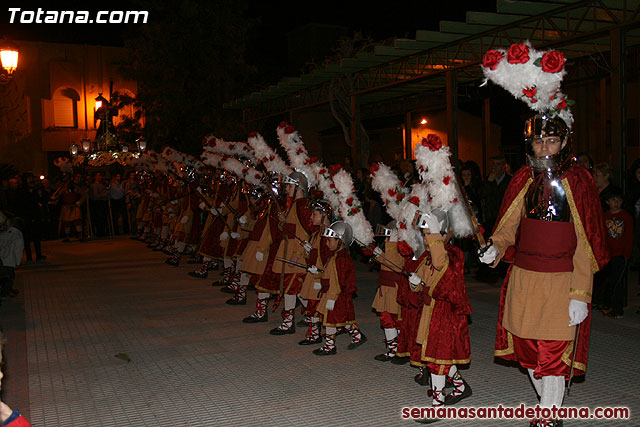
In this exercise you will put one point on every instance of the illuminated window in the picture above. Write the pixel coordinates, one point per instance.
(65, 108)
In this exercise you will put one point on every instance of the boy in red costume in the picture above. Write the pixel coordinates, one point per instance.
(443, 332)
(338, 284)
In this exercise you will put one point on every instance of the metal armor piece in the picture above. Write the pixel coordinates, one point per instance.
(340, 230)
(546, 198)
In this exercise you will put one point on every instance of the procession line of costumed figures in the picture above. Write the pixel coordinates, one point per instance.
(285, 229)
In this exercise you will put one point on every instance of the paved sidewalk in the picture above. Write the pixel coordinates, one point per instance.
(193, 363)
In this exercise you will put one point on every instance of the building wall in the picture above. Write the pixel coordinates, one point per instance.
(27, 127)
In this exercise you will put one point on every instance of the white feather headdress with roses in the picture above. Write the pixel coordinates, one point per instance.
(351, 208)
(531, 76)
(434, 165)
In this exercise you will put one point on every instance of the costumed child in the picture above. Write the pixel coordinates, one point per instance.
(318, 253)
(337, 286)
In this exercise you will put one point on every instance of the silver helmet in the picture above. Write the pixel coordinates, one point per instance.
(541, 126)
(421, 218)
(340, 230)
(297, 178)
(322, 206)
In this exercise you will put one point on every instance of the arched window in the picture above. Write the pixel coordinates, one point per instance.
(65, 108)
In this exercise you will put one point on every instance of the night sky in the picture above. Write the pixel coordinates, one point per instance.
(267, 38)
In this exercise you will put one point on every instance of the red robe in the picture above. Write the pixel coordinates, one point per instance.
(343, 313)
(445, 331)
(587, 203)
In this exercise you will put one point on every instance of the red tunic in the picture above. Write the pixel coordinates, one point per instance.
(444, 330)
(338, 284)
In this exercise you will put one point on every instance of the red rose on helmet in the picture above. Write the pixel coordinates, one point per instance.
(374, 168)
(446, 180)
(518, 53)
(391, 192)
(399, 197)
(289, 130)
(562, 105)
(552, 62)
(530, 93)
(432, 141)
(313, 160)
(244, 171)
(252, 134)
(354, 211)
(350, 201)
(415, 200)
(283, 124)
(272, 157)
(403, 226)
(491, 59)
(334, 169)
(322, 171)
(257, 176)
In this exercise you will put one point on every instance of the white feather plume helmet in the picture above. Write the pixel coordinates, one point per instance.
(531, 76)
(299, 159)
(417, 200)
(433, 160)
(272, 162)
(391, 190)
(326, 185)
(351, 208)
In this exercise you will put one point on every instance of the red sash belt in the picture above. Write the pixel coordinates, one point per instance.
(388, 278)
(546, 246)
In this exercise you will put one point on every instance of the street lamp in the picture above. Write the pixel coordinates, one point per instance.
(86, 144)
(142, 144)
(9, 61)
(100, 101)
(73, 149)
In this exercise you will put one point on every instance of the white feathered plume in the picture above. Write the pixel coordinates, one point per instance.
(265, 154)
(326, 185)
(391, 190)
(292, 143)
(531, 76)
(417, 200)
(351, 209)
(434, 165)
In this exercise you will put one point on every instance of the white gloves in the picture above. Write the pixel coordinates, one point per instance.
(330, 304)
(242, 220)
(578, 311)
(432, 223)
(317, 286)
(307, 247)
(313, 269)
(213, 211)
(377, 251)
(490, 255)
(199, 189)
(224, 236)
(259, 256)
(235, 235)
(414, 280)
(202, 205)
(174, 202)
(184, 220)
